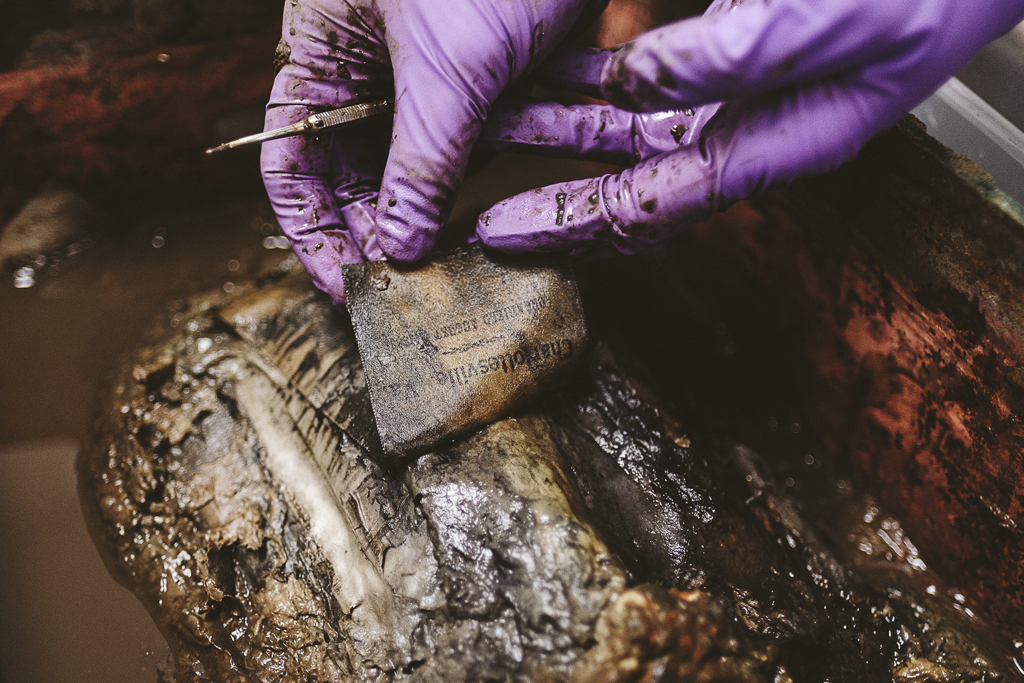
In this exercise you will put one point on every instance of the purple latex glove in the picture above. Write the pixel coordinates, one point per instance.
(806, 83)
(446, 63)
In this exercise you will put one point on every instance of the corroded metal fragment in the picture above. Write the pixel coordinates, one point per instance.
(461, 340)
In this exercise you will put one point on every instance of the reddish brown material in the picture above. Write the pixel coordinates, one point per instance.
(130, 125)
(892, 295)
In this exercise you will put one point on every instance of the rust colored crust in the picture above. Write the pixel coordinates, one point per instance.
(132, 125)
(894, 294)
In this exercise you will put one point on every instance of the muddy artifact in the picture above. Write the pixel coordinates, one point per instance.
(234, 486)
(461, 340)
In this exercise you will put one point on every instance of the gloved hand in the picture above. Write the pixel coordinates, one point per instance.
(445, 62)
(806, 83)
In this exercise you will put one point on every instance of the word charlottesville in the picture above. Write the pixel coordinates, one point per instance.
(531, 357)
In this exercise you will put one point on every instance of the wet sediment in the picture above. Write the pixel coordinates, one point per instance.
(235, 487)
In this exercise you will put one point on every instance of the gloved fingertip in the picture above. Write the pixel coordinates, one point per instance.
(494, 230)
(536, 221)
(484, 234)
(615, 82)
(399, 242)
(359, 217)
(372, 250)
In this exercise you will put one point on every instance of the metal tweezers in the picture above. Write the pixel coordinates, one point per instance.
(314, 123)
